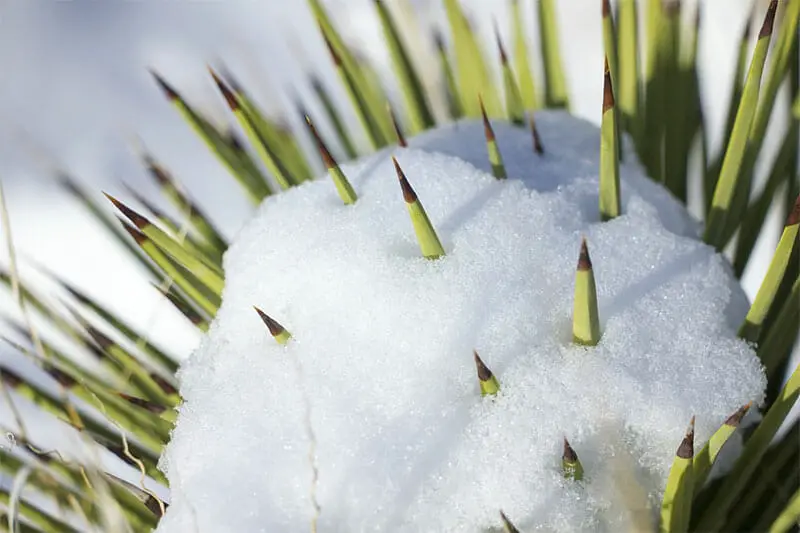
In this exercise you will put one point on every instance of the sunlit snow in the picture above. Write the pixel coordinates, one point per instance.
(382, 346)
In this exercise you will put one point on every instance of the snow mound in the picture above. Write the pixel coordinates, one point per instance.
(383, 340)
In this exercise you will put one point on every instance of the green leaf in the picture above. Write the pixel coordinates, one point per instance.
(676, 507)
(734, 154)
(737, 480)
(419, 113)
(472, 71)
(555, 79)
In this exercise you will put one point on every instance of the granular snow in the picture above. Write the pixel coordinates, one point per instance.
(382, 346)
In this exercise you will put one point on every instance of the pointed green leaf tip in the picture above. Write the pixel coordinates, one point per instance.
(753, 322)
(585, 319)
(730, 174)
(704, 459)
(398, 132)
(609, 153)
(278, 332)
(676, 507)
(570, 464)
(343, 186)
(489, 384)
(507, 525)
(495, 159)
(429, 242)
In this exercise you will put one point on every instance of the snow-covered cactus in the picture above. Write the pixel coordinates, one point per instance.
(496, 317)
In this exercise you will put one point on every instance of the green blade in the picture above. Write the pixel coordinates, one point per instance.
(555, 79)
(343, 186)
(487, 381)
(429, 243)
(585, 317)
(204, 270)
(195, 290)
(783, 51)
(705, 458)
(676, 507)
(226, 149)
(174, 192)
(737, 480)
(609, 153)
(472, 71)
(724, 192)
(712, 174)
(335, 119)
(415, 97)
(753, 322)
(268, 156)
(452, 89)
(570, 464)
(495, 158)
(522, 62)
(777, 340)
(628, 89)
(515, 109)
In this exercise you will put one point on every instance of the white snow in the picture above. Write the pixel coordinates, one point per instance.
(383, 340)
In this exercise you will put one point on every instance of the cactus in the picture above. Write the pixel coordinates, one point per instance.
(129, 409)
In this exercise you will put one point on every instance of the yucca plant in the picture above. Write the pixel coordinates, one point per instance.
(651, 101)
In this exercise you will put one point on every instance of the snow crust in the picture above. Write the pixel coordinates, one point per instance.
(382, 349)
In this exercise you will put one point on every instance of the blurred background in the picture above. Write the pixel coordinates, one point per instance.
(76, 97)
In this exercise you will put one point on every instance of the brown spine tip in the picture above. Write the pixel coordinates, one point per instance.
(157, 171)
(337, 60)
(408, 192)
(401, 139)
(138, 220)
(569, 454)
(165, 87)
(608, 90)
(500, 47)
(163, 384)
(226, 91)
(144, 404)
(686, 449)
(139, 237)
(537, 141)
(327, 158)
(584, 261)
(274, 327)
(606, 8)
(484, 374)
(487, 126)
(61, 377)
(736, 418)
(100, 339)
(794, 216)
(769, 20)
